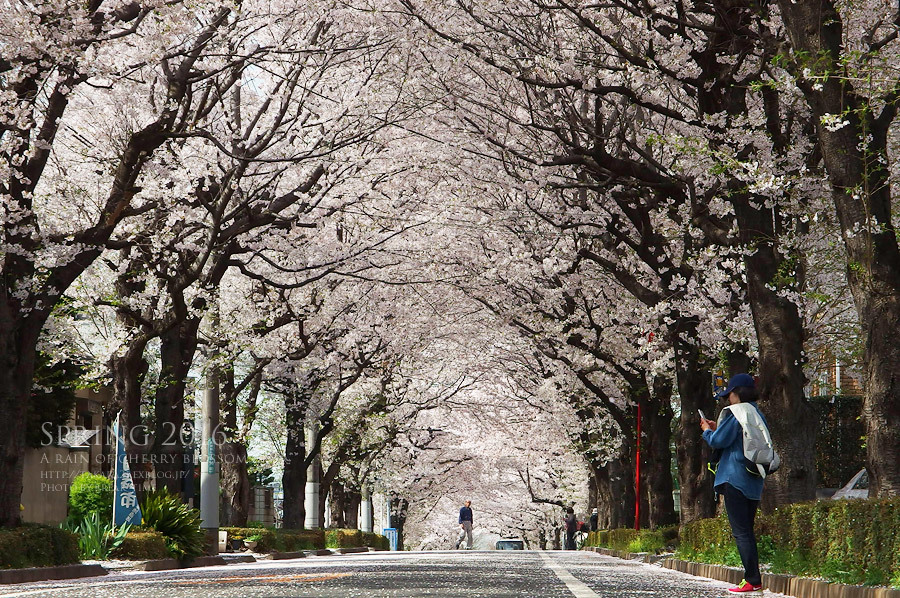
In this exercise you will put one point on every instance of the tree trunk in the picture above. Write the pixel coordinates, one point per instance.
(128, 371)
(352, 501)
(695, 389)
(399, 507)
(323, 492)
(656, 465)
(168, 453)
(17, 356)
(235, 479)
(615, 488)
(779, 332)
(862, 194)
(338, 506)
(294, 479)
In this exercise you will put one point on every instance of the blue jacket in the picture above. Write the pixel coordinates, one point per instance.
(728, 436)
(465, 514)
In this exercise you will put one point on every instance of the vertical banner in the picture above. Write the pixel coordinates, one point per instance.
(125, 504)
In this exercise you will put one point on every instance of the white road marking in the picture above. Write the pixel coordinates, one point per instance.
(578, 589)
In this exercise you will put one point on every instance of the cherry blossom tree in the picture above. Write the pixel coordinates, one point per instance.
(59, 57)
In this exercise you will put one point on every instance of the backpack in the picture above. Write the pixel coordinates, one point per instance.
(760, 457)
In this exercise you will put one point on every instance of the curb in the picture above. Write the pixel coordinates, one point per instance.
(790, 585)
(12, 576)
(353, 550)
(169, 564)
(239, 558)
(644, 557)
(283, 556)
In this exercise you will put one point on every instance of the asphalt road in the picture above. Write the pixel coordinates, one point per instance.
(513, 574)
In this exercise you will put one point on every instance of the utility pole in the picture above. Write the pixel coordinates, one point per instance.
(366, 522)
(209, 466)
(313, 483)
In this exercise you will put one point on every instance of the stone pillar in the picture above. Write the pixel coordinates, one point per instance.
(209, 467)
(366, 512)
(313, 483)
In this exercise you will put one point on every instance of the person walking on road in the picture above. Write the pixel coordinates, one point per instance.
(465, 525)
(571, 528)
(741, 487)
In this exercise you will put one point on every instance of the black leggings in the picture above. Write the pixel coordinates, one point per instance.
(741, 515)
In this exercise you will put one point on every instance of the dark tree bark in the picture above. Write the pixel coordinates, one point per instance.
(338, 506)
(780, 337)
(399, 508)
(862, 195)
(15, 390)
(615, 488)
(235, 480)
(128, 371)
(293, 480)
(352, 501)
(695, 389)
(168, 453)
(657, 457)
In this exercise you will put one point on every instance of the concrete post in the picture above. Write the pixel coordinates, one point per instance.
(209, 466)
(366, 512)
(313, 484)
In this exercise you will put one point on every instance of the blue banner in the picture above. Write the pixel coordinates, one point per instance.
(125, 503)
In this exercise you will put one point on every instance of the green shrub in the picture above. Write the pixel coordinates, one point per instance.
(343, 538)
(847, 541)
(91, 493)
(178, 523)
(279, 540)
(377, 541)
(96, 537)
(630, 540)
(141, 545)
(33, 545)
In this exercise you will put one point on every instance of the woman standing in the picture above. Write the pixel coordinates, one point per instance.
(741, 487)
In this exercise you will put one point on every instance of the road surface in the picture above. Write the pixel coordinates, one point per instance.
(491, 574)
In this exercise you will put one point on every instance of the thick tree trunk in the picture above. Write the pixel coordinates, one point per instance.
(338, 506)
(128, 371)
(695, 389)
(235, 482)
(862, 195)
(235, 479)
(168, 452)
(352, 501)
(615, 488)
(792, 421)
(294, 479)
(17, 360)
(399, 507)
(656, 461)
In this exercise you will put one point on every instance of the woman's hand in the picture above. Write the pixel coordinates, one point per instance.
(707, 424)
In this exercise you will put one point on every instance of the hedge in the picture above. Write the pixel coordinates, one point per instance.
(33, 545)
(630, 540)
(847, 541)
(354, 538)
(279, 540)
(142, 545)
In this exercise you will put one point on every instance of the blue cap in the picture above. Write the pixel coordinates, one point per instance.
(736, 381)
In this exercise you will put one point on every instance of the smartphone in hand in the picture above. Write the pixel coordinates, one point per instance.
(701, 414)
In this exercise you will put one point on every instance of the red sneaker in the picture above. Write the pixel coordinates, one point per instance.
(745, 586)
